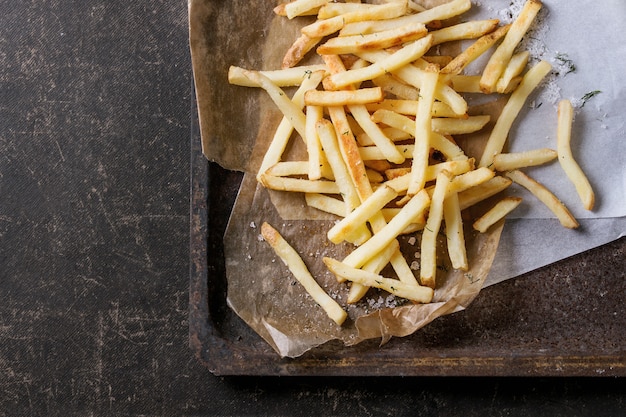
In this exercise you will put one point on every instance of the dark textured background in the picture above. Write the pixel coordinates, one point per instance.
(95, 116)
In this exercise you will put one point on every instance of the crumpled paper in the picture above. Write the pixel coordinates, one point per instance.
(235, 124)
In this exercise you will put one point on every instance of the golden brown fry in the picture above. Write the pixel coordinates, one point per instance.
(299, 49)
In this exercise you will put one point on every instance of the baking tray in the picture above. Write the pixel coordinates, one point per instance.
(565, 319)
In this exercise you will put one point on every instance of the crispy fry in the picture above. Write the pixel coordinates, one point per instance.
(361, 214)
(300, 271)
(482, 191)
(515, 67)
(496, 213)
(454, 232)
(423, 131)
(282, 78)
(300, 7)
(510, 161)
(343, 97)
(285, 128)
(428, 267)
(510, 111)
(299, 49)
(566, 159)
(546, 197)
(441, 12)
(466, 30)
(503, 53)
(458, 64)
(380, 40)
(415, 293)
(387, 234)
(398, 59)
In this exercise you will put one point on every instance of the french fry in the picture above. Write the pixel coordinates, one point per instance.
(546, 197)
(326, 203)
(483, 191)
(428, 267)
(292, 112)
(295, 168)
(400, 181)
(515, 67)
(299, 49)
(313, 146)
(423, 131)
(466, 30)
(396, 60)
(510, 161)
(349, 151)
(282, 78)
(496, 213)
(406, 124)
(441, 12)
(300, 7)
(298, 185)
(409, 107)
(392, 85)
(285, 129)
(456, 126)
(327, 136)
(511, 109)
(386, 145)
(458, 64)
(503, 53)
(415, 293)
(470, 179)
(300, 271)
(325, 27)
(343, 97)
(322, 28)
(387, 234)
(455, 235)
(566, 159)
(374, 265)
(380, 40)
(361, 214)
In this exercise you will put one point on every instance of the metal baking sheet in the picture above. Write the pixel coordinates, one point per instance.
(566, 319)
(563, 320)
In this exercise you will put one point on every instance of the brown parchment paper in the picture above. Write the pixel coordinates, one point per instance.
(236, 126)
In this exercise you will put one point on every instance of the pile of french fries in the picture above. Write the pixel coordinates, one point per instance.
(378, 115)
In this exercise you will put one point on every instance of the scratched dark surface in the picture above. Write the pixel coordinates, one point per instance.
(95, 120)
